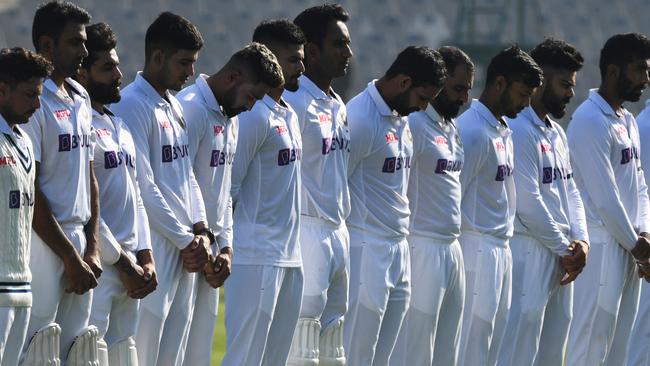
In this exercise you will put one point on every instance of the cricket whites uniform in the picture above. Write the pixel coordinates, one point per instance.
(430, 334)
(173, 203)
(639, 352)
(123, 227)
(324, 239)
(381, 147)
(213, 140)
(62, 136)
(605, 157)
(264, 291)
(17, 173)
(487, 212)
(549, 216)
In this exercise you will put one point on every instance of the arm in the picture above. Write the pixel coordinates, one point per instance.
(252, 134)
(361, 137)
(475, 151)
(531, 208)
(91, 229)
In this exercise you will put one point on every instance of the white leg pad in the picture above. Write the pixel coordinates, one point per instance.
(332, 352)
(123, 353)
(84, 349)
(43, 349)
(304, 348)
(102, 352)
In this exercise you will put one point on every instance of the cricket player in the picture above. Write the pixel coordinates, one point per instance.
(325, 199)
(211, 106)
(488, 202)
(65, 253)
(260, 320)
(604, 144)
(127, 260)
(21, 82)
(638, 348)
(549, 246)
(430, 334)
(381, 148)
(180, 238)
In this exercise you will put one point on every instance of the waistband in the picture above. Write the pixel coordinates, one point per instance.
(312, 220)
(430, 240)
(484, 238)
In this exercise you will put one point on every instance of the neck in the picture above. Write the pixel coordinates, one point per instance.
(491, 104)
(97, 106)
(384, 92)
(151, 78)
(323, 82)
(216, 83)
(11, 124)
(276, 94)
(538, 107)
(58, 79)
(611, 96)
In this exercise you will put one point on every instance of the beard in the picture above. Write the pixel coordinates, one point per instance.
(553, 104)
(447, 108)
(228, 105)
(401, 104)
(507, 106)
(627, 91)
(292, 84)
(12, 116)
(104, 93)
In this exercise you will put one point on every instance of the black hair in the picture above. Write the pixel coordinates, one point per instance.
(171, 32)
(278, 31)
(261, 62)
(18, 65)
(314, 21)
(422, 64)
(557, 54)
(100, 38)
(454, 57)
(515, 65)
(622, 49)
(51, 18)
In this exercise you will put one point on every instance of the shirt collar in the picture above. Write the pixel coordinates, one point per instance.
(530, 114)
(598, 100)
(50, 86)
(384, 109)
(487, 115)
(4, 127)
(313, 89)
(272, 104)
(208, 95)
(433, 114)
(149, 90)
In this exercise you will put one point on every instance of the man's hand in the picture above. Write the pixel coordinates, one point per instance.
(92, 259)
(644, 270)
(79, 275)
(641, 250)
(145, 261)
(217, 271)
(574, 262)
(131, 274)
(196, 254)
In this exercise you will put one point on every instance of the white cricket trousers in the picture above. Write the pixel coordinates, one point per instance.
(262, 308)
(488, 285)
(430, 334)
(162, 332)
(606, 299)
(325, 250)
(540, 312)
(639, 348)
(113, 312)
(204, 315)
(50, 302)
(380, 290)
(13, 328)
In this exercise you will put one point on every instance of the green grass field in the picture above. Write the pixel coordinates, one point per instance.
(219, 341)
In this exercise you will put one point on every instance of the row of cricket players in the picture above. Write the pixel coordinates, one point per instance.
(381, 232)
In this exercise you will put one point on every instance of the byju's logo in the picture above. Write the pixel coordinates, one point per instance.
(167, 154)
(170, 152)
(68, 142)
(110, 160)
(393, 164)
(503, 171)
(286, 156)
(64, 142)
(14, 199)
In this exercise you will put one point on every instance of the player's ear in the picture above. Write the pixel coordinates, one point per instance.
(613, 71)
(157, 57)
(404, 82)
(46, 46)
(4, 91)
(312, 50)
(500, 83)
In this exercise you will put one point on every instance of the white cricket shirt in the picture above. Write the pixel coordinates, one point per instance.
(488, 188)
(326, 151)
(213, 141)
(605, 157)
(266, 186)
(124, 224)
(169, 190)
(434, 185)
(549, 207)
(381, 147)
(62, 137)
(17, 173)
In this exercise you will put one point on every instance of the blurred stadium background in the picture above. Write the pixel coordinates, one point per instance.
(379, 30)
